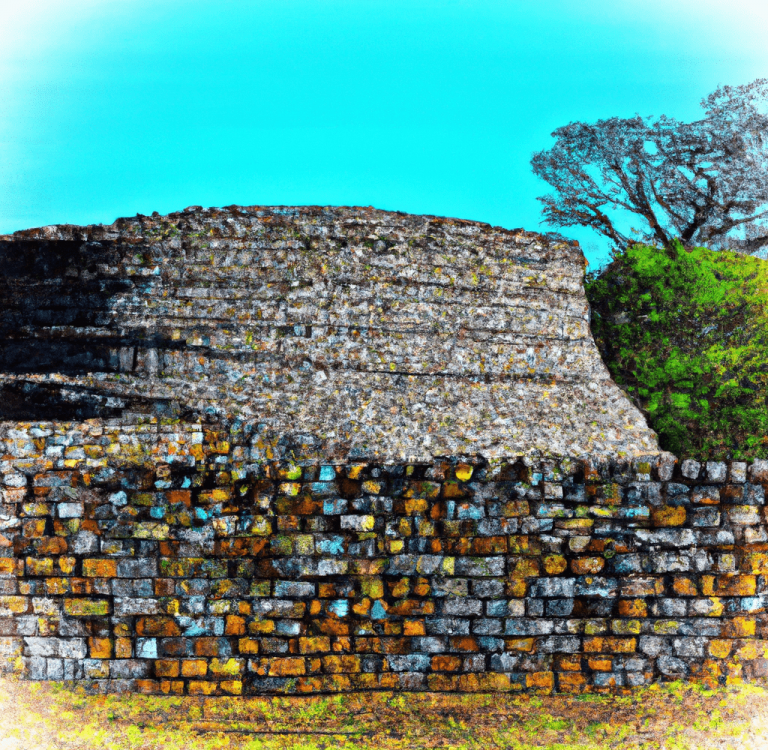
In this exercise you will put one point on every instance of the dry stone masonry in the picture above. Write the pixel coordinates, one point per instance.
(339, 332)
(260, 450)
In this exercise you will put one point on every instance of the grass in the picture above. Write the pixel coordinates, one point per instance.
(671, 717)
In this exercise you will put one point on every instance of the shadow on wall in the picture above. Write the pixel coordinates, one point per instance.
(57, 316)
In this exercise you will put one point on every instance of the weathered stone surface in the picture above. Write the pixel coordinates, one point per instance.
(311, 450)
(334, 333)
(382, 584)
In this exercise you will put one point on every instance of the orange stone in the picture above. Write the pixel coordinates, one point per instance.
(594, 645)
(412, 607)
(179, 496)
(485, 682)
(51, 545)
(571, 682)
(341, 664)
(157, 626)
(568, 663)
(248, 645)
(729, 585)
(194, 668)
(100, 568)
(527, 568)
(464, 643)
(600, 663)
(621, 645)
(201, 688)
(519, 644)
(755, 562)
(234, 625)
(166, 668)
(317, 644)
(489, 545)
(587, 565)
(443, 682)
(287, 667)
(669, 515)
(100, 648)
(555, 564)
(541, 680)
(633, 608)
(174, 687)
(414, 627)
(206, 647)
(684, 586)
(739, 627)
(446, 663)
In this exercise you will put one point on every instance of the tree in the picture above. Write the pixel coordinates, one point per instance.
(704, 182)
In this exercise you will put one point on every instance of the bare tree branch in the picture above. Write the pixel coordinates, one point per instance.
(705, 181)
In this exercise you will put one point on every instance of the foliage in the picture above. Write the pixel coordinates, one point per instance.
(705, 182)
(685, 333)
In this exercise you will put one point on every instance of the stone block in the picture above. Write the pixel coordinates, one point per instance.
(462, 607)
(716, 471)
(554, 587)
(690, 469)
(128, 607)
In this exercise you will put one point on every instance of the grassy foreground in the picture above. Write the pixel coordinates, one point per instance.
(673, 717)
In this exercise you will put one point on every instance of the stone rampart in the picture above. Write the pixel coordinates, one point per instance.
(174, 558)
(344, 333)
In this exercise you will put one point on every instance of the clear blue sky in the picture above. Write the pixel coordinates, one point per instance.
(110, 109)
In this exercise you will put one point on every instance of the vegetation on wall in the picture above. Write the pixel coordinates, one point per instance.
(685, 333)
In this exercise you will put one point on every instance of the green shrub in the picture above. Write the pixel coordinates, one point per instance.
(685, 334)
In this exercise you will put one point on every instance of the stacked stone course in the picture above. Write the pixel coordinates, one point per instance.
(311, 449)
(342, 332)
(172, 558)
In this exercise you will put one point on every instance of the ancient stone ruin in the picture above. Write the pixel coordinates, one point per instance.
(296, 450)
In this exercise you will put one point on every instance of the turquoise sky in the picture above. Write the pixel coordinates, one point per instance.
(110, 109)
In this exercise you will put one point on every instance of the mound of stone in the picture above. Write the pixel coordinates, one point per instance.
(333, 333)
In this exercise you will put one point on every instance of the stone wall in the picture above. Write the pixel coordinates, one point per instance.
(343, 333)
(151, 555)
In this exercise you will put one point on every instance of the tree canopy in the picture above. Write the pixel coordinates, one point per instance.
(703, 183)
(685, 333)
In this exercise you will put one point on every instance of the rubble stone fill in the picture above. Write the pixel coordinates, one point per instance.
(341, 332)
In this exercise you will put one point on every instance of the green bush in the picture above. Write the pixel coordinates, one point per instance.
(685, 334)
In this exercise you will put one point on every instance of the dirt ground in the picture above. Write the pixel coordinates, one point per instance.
(43, 716)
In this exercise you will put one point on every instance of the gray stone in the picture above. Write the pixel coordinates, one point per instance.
(480, 566)
(130, 607)
(559, 644)
(689, 647)
(528, 627)
(128, 668)
(294, 589)
(690, 469)
(671, 666)
(408, 662)
(447, 626)
(596, 586)
(462, 607)
(430, 645)
(716, 471)
(137, 568)
(553, 587)
(653, 645)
